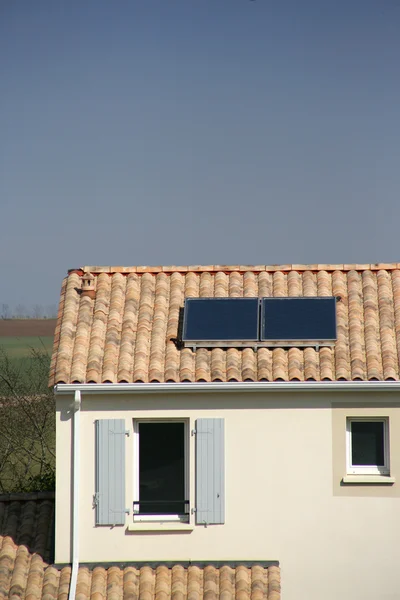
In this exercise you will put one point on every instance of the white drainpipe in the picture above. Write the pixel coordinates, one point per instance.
(75, 501)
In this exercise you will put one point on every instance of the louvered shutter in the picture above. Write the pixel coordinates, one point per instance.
(110, 472)
(210, 471)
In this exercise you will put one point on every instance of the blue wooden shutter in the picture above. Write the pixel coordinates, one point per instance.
(210, 471)
(110, 472)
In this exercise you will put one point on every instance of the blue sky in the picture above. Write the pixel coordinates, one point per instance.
(195, 131)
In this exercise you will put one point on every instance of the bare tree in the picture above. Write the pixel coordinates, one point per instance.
(37, 311)
(20, 311)
(27, 425)
(51, 311)
(5, 311)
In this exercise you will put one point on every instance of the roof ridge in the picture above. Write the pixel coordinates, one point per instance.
(238, 268)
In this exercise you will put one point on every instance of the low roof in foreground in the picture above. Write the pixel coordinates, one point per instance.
(26, 539)
(122, 330)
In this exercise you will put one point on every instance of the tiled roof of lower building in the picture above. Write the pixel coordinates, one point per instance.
(121, 328)
(27, 523)
(26, 542)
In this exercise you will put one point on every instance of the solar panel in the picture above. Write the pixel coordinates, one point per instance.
(298, 319)
(221, 319)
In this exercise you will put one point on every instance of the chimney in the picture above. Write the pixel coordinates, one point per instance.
(88, 285)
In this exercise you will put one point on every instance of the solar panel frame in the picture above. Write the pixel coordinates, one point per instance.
(220, 341)
(296, 340)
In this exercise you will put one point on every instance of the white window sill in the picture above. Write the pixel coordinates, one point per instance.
(382, 479)
(160, 526)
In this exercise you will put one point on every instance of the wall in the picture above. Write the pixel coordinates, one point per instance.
(285, 457)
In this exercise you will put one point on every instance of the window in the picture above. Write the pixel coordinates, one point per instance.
(161, 474)
(161, 471)
(368, 446)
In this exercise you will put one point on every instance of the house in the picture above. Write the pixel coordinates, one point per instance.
(204, 435)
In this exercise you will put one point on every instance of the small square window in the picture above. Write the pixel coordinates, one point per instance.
(368, 446)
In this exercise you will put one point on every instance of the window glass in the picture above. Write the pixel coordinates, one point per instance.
(367, 443)
(161, 468)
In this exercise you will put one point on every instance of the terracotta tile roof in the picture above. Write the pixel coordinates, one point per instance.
(26, 526)
(26, 532)
(120, 328)
(255, 583)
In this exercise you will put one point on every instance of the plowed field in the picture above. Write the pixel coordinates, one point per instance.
(18, 337)
(27, 327)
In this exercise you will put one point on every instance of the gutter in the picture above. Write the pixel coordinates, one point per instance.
(75, 501)
(231, 387)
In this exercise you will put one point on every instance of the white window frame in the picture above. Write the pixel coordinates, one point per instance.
(368, 469)
(136, 483)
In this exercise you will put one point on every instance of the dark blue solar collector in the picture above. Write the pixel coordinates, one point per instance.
(221, 320)
(308, 320)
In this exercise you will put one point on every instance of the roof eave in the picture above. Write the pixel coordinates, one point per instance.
(231, 386)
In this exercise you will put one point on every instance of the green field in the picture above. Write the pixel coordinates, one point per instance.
(19, 351)
(20, 337)
(21, 347)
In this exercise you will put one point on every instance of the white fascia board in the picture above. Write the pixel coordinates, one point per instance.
(231, 387)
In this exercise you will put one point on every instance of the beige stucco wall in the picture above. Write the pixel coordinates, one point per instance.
(285, 457)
